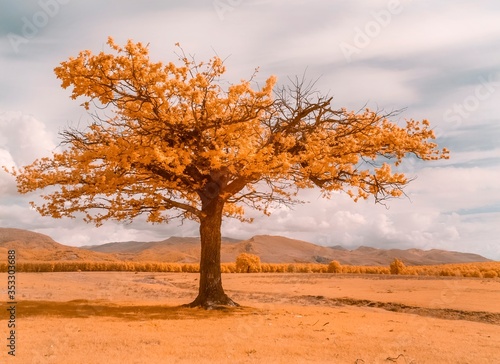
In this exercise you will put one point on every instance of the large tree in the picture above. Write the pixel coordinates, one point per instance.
(177, 141)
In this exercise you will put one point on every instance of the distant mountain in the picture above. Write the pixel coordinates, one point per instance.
(337, 247)
(173, 249)
(32, 246)
(373, 256)
(278, 249)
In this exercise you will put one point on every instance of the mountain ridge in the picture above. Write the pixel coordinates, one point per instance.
(33, 246)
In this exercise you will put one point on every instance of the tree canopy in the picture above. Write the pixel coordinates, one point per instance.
(169, 141)
(176, 136)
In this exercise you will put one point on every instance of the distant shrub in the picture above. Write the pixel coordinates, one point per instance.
(334, 267)
(490, 274)
(247, 263)
(448, 272)
(268, 268)
(321, 268)
(280, 268)
(468, 270)
(190, 268)
(303, 268)
(228, 268)
(397, 267)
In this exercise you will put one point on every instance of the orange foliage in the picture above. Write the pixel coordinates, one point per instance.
(247, 263)
(397, 267)
(175, 136)
(467, 270)
(334, 267)
(176, 141)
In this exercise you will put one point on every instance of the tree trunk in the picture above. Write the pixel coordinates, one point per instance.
(211, 294)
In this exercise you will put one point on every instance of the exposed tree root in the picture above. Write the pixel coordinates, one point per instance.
(219, 303)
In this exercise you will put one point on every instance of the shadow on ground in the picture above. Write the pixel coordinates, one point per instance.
(86, 308)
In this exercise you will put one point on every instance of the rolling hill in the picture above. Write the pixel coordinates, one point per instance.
(31, 246)
(174, 249)
(278, 249)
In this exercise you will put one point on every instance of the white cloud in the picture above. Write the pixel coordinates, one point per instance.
(77, 233)
(377, 87)
(6, 158)
(429, 57)
(22, 139)
(454, 189)
(436, 215)
(417, 28)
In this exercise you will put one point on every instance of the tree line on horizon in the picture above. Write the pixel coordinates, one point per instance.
(249, 263)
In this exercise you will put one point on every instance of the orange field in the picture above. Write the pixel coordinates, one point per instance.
(135, 318)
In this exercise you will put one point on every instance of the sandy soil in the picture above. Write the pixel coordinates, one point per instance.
(286, 318)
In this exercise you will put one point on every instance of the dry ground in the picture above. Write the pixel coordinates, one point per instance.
(286, 318)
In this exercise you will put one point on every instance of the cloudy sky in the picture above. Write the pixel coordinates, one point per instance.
(439, 60)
